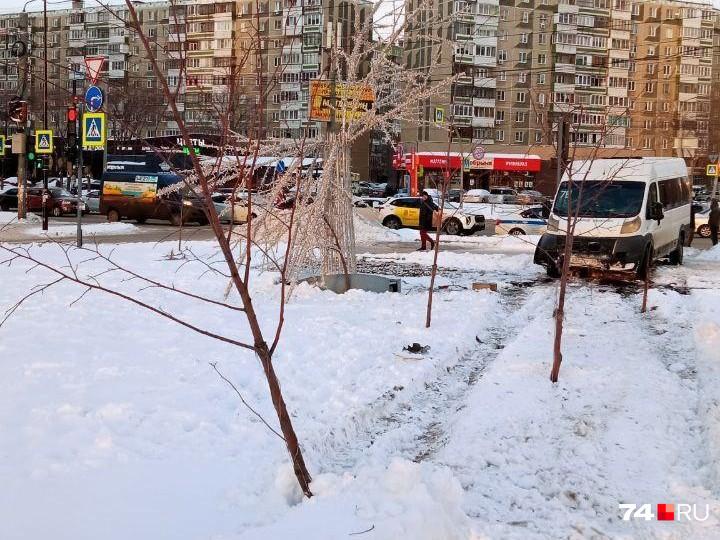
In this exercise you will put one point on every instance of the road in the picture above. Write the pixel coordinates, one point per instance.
(158, 231)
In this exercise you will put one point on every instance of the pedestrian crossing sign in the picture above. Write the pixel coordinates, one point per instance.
(93, 130)
(43, 141)
(712, 170)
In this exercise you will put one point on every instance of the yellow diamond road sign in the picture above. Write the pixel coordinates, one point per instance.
(711, 170)
(44, 141)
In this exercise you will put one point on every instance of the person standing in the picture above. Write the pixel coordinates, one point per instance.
(714, 221)
(427, 207)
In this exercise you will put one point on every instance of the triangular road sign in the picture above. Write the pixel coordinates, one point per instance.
(711, 170)
(44, 142)
(93, 132)
(93, 67)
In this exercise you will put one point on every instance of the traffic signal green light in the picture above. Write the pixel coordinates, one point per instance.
(31, 156)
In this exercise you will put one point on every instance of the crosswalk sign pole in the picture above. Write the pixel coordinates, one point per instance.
(79, 179)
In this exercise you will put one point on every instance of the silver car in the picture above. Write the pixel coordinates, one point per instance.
(92, 201)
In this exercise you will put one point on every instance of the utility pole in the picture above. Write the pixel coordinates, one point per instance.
(45, 118)
(80, 172)
(23, 72)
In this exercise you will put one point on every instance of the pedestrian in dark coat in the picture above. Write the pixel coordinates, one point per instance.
(714, 221)
(427, 207)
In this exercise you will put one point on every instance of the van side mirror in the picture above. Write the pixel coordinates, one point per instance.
(656, 212)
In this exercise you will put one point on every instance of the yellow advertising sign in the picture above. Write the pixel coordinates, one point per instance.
(353, 98)
(144, 188)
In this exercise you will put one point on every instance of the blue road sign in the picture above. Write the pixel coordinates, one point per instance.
(94, 99)
(280, 167)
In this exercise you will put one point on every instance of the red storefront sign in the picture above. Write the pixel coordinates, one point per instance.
(516, 164)
(433, 161)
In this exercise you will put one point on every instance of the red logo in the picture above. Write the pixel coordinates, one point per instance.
(665, 512)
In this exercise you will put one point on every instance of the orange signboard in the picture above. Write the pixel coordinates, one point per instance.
(355, 99)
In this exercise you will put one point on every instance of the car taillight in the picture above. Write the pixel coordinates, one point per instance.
(497, 222)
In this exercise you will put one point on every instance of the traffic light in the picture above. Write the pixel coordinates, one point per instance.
(72, 115)
(18, 110)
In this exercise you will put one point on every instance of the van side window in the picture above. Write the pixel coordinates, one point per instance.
(652, 199)
(686, 191)
(670, 193)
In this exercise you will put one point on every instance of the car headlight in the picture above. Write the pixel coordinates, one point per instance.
(631, 226)
(187, 203)
(552, 224)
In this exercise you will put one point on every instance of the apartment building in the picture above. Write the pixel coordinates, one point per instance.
(631, 76)
(670, 91)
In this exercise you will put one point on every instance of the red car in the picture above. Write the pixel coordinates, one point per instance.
(59, 201)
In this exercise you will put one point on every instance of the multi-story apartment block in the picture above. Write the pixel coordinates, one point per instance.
(211, 52)
(631, 77)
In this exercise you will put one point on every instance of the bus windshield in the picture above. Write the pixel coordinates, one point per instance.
(601, 199)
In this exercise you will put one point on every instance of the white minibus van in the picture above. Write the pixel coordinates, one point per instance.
(627, 213)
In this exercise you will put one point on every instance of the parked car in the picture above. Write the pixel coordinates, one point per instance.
(226, 208)
(476, 196)
(8, 198)
(530, 221)
(92, 201)
(405, 212)
(701, 223)
(501, 194)
(529, 196)
(632, 212)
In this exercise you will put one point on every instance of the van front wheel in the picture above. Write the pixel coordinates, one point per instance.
(113, 216)
(676, 256)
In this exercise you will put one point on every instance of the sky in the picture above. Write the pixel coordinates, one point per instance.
(9, 6)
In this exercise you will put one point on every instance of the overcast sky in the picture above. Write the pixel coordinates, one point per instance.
(9, 6)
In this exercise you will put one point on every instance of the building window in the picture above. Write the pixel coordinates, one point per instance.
(542, 59)
(542, 39)
(526, 16)
(522, 57)
(649, 106)
(519, 136)
(519, 116)
(541, 78)
(522, 77)
(501, 95)
(523, 38)
(500, 116)
(500, 135)
(520, 97)
(538, 136)
(502, 76)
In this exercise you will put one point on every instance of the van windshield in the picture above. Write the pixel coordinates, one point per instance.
(601, 199)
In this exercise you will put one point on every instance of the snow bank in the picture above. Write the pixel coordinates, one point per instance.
(709, 255)
(99, 229)
(369, 232)
(11, 217)
(402, 500)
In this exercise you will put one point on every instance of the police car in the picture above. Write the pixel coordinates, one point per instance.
(530, 221)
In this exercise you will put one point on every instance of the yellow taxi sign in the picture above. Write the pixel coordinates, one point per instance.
(44, 141)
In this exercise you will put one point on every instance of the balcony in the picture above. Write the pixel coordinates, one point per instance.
(485, 82)
(465, 79)
(465, 59)
(565, 68)
(462, 120)
(483, 102)
(563, 48)
(483, 122)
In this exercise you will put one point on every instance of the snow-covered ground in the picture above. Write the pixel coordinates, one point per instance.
(89, 229)
(115, 426)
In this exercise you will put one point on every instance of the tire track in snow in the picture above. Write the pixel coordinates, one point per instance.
(416, 426)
